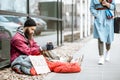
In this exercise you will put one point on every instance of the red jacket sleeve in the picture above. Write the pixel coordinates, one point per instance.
(26, 48)
(34, 44)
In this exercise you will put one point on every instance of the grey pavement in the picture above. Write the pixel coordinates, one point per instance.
(90, 69)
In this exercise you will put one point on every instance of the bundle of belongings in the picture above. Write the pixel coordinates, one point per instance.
(23, 64)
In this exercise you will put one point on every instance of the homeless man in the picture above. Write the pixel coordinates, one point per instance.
(23, 45)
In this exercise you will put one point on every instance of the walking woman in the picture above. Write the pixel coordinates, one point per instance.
(103, 26)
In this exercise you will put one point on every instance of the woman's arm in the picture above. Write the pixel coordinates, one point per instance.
(109, 5)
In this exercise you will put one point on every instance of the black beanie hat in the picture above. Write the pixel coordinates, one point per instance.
(29, 22)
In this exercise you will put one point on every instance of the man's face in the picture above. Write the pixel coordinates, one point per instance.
(29, 31)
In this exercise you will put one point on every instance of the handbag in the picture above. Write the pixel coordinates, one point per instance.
(116, 23)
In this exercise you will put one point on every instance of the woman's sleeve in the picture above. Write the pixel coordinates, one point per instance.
(112, 5)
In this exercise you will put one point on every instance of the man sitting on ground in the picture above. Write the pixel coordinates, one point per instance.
(23, 45)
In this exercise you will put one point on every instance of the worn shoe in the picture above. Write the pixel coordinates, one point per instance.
(107, 56)
(69, 58)
(101, 60)
(79, 60)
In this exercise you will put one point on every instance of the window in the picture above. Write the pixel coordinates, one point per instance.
(13, 5)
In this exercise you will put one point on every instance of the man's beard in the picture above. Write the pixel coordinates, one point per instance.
(28, 35)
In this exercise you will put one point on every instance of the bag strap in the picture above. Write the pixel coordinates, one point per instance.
(110, 1)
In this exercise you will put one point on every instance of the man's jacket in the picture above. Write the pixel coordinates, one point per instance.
(20, 45)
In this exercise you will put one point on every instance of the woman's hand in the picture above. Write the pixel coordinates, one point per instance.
(105, 3)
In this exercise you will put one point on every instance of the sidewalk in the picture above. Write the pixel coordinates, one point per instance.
(90, 69)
